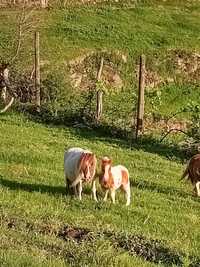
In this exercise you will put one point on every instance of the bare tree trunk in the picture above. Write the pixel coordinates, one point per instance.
(99, 107)
(23, 27)
(3, 94)
(140, 109)
(37, 71)
(32, 72)
(44, 3)
(21, 23)
(4, 73)
(65, 3)
(5, 87)
(8, 105)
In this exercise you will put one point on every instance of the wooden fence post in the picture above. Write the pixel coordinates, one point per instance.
(37, 70)
(99, 105)
(140, 107)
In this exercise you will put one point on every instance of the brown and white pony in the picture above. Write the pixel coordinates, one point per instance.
(193, 172)
(80, 167)
(112, 178)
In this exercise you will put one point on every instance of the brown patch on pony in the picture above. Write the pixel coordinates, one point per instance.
(110, 182)
(193, 169)
(105, 161)
(87, 159)
(125, 177)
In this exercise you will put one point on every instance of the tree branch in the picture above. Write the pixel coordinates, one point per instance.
(174, 115)
(23, 26)
(7, 106)
(19, 40)
(171, 130)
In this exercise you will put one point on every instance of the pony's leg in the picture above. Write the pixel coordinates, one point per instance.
(67, 182)
(80, 190)
(112, 194)
(198, 188)
(127, 190)
(75, 190)
(94, 190)
(106, 195)
(128, 194)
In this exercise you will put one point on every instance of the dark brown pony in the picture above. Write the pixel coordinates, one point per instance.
(193, 173)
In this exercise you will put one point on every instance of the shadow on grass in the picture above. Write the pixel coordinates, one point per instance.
(167, 190)
(61, 190)
(146, 143)
(14, 185)
(42, 188)
(114, 135)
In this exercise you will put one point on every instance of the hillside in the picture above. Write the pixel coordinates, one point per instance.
(163, 218)
(73, 39)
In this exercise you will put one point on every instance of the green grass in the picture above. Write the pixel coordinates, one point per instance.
(65, 33)
(33, 200)
(171, 99)
(135, 31)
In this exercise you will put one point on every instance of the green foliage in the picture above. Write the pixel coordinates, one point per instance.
(172, 99)
(59, 102)
(155, 99)
(52, 93)
(118, 111)
(100, 86)
(194, 109)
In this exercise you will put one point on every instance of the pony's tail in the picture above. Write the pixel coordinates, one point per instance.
(186, 172)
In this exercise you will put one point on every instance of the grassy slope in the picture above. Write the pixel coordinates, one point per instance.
(140, 29)
(33, 199)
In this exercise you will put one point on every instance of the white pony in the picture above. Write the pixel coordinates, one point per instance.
(79, 167)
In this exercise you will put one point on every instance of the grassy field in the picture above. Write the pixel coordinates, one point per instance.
(42, 226)
(160, 228)
(71, 32)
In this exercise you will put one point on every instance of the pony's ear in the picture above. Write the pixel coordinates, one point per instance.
(106, 160)
(103, 161)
